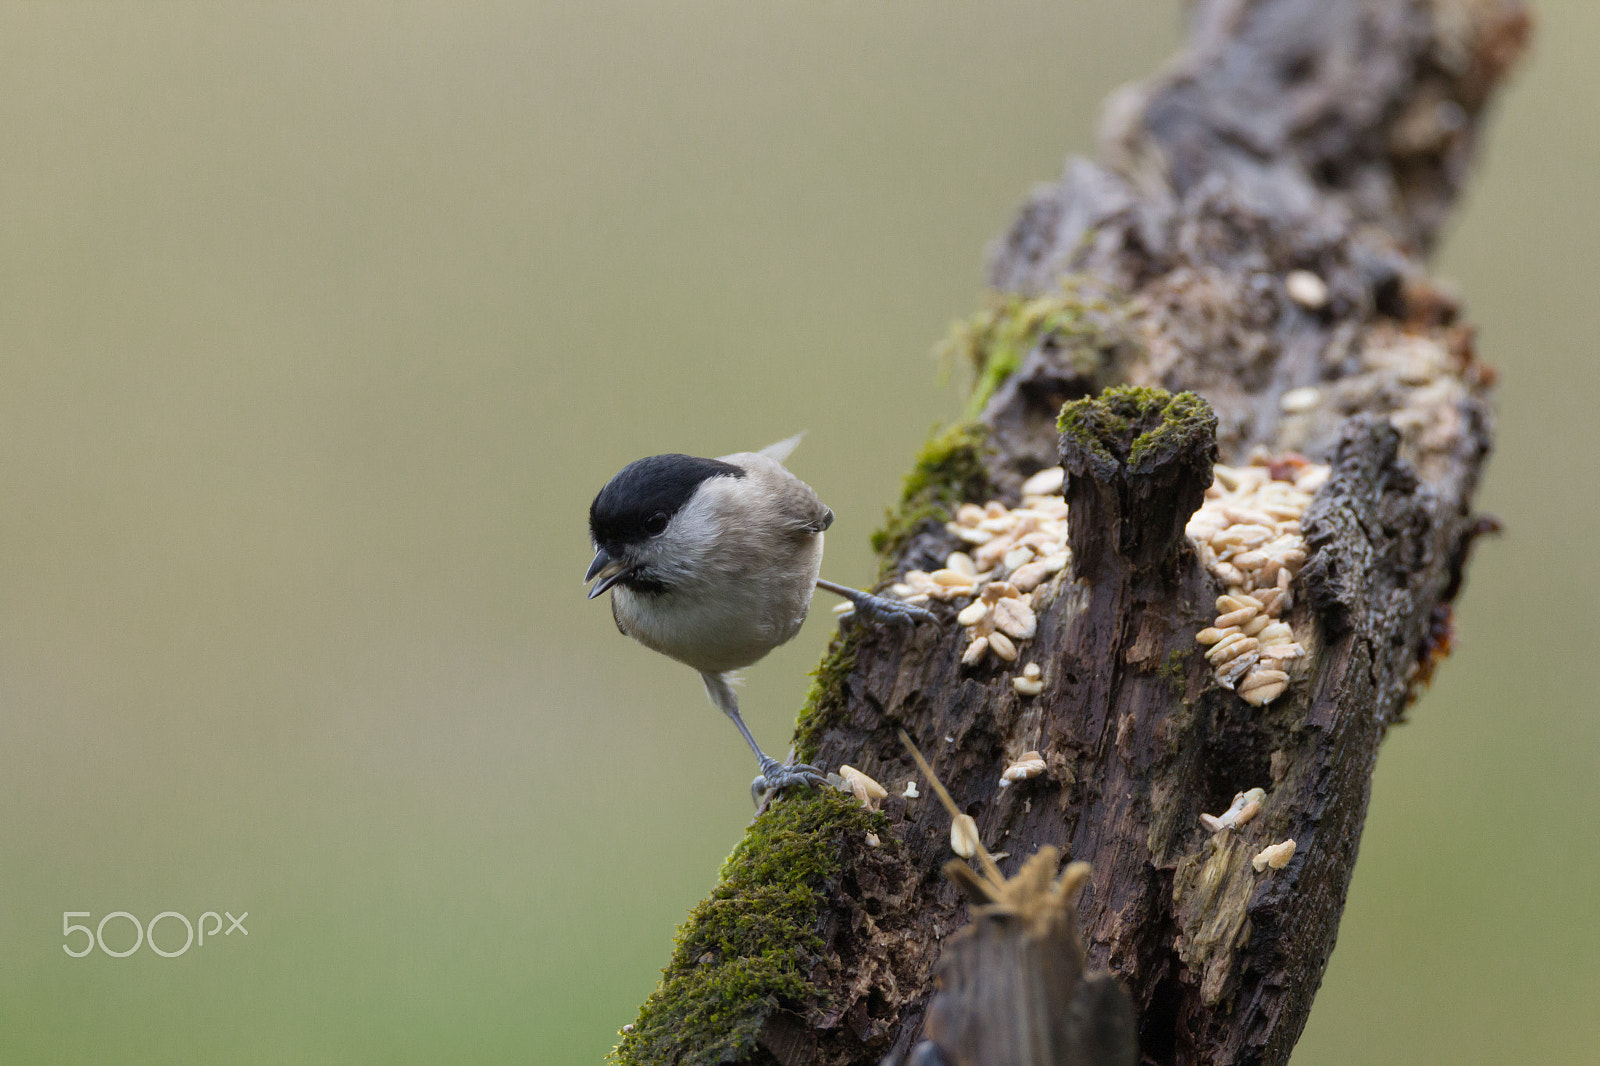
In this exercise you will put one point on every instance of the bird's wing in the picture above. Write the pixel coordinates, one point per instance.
(793, 503)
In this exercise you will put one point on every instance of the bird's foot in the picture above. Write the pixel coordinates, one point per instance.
(776, 776)
(881, 610)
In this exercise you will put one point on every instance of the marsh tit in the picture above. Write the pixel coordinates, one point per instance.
(713, 562)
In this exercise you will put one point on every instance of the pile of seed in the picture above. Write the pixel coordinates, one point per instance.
(1011, 552)
(1248, 535)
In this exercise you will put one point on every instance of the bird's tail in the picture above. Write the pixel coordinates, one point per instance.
(780, 451)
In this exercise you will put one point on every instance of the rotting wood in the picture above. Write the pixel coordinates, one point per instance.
(1012, 987)
(1291, 136)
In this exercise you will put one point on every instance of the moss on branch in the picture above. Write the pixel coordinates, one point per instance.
(949, 471)
(748, 948)
(995, 341)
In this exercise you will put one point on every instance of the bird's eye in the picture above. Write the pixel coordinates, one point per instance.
(656, 523)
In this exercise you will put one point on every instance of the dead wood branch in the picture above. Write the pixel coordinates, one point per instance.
(1252, 233)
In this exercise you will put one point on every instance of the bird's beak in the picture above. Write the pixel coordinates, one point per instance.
(608, 570)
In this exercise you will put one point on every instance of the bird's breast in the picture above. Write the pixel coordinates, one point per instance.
(722, 624)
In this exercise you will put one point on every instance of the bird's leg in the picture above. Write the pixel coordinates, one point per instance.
(879, 608)
(774, 774)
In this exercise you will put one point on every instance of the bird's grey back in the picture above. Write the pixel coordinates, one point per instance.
(792, 503)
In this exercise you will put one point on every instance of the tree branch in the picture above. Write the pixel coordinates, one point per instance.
(1252, 234)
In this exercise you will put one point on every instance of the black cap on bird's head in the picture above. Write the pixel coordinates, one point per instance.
(639, 503)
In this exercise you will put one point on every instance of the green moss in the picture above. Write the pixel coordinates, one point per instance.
(1185, 422)
(826, 697)
(996, 340)
(948, 472)
(748, 947)
(1174, 669)
(1139, 425)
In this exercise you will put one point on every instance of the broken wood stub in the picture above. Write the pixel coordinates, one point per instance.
(1137, 463)
(1013, 986)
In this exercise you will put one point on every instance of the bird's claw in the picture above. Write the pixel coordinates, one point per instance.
(885, 611)
(776, 776)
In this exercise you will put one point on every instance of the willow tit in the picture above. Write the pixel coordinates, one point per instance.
(713, 562)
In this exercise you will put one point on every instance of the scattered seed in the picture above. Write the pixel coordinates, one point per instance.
(989, 555)
(1246, 516)
(995, 591)
(1026, 765)
(961, 563)
(1229, 573)
(1277, 632)
(1306, 289)
(974, 653)
(1001, 645)
(1046, 482)
(1015, 619)
(1265, 694)
(1246, 805)
(1040, 542)
(1263, 677)
(1027, 686)
(1235, 643)
(868, 791)
(1230, 672)
(1313, 479)
(964, 836)
(1276, 856)
(911, 792)
(1299, 401)
(1030, 576)
(1250, 560)
(872, 840)
(1236, 618)
(1246, 536)
(973, 614)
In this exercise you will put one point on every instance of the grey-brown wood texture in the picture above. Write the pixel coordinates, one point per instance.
(1292, 135)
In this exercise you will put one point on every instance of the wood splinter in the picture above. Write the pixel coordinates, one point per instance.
(1011, 986)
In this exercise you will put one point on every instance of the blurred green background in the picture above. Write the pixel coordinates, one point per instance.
(321, 324)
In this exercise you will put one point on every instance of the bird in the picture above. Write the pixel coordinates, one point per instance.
(713, 562)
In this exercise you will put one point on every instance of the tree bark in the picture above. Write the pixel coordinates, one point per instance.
(1330, 138)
